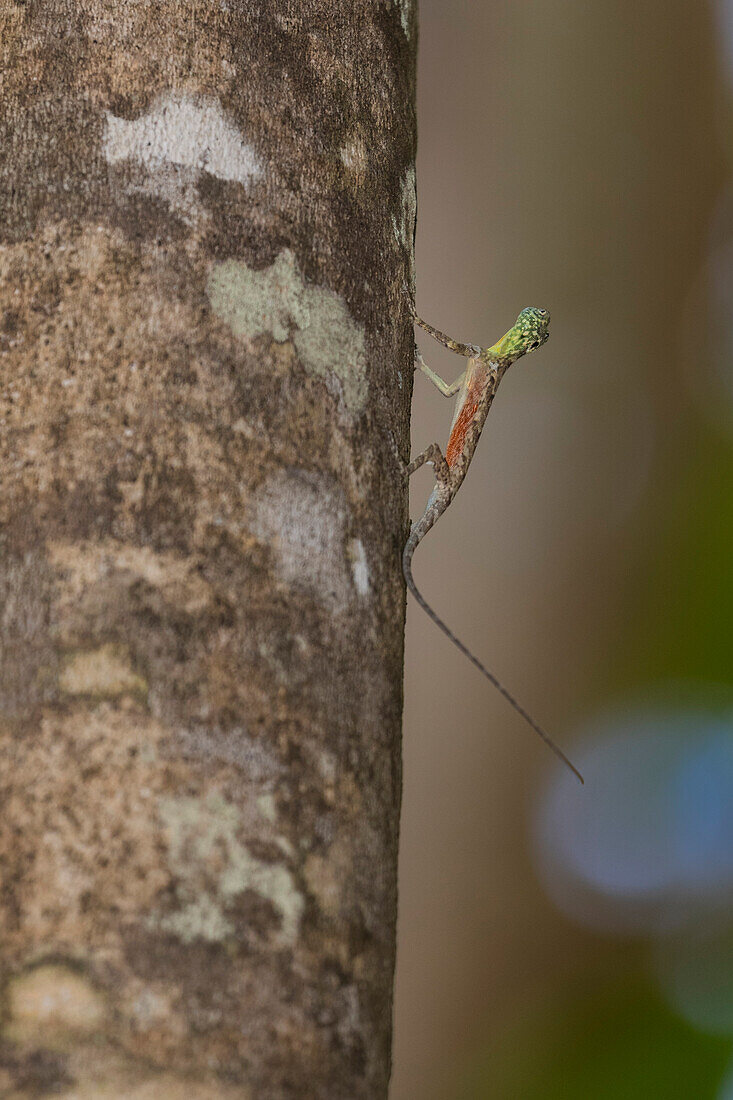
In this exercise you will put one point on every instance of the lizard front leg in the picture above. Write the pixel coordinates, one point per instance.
(468, 351)
(448, 389)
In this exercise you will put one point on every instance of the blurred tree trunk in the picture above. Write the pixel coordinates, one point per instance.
(206, 216)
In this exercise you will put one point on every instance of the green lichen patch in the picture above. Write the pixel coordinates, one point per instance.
(213, 868)
(278, 302)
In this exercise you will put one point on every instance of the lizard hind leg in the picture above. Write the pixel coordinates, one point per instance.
(434, 455)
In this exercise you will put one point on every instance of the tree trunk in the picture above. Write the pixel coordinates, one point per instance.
(206, 217)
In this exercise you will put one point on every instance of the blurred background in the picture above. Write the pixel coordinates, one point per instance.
(559, 941)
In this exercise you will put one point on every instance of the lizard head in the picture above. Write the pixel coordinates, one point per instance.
(529, 331)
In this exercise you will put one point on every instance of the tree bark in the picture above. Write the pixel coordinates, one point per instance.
(206, 217)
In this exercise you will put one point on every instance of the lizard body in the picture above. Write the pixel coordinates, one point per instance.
(476, 389)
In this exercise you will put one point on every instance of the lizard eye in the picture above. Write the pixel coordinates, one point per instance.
(534, 345)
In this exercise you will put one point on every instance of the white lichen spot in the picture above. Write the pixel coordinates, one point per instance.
(359, 567)
(204, 844)
(403, 223)
(50, 1000)
(87, 563)
(353, 155)
(268, 807)
(181, 130)
(302, 516)
(151, 1008)
(285, 846)
(326, 763)
(405, 7)
(103, 671)
(278, 302)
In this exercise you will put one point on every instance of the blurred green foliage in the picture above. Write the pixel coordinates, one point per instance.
(682, 627)
(621, 1043)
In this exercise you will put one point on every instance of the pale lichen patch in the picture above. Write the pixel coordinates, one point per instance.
(51, 1000)
(181, 130)
(359, 566)
(268, 807)
(278, 302)
(353, 155)
(151, 1007)
(403, 223)
(285, 846)
(405, 9)
(199, 918)
(104, 671)
(302, 517)
(86, 563)
(213, 867)
(173, 144)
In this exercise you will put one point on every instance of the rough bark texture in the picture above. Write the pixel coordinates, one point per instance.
(206, 216)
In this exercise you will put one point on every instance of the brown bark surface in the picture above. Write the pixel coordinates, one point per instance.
(206, 216)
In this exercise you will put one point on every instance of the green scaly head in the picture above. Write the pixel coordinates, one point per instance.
(529, 331)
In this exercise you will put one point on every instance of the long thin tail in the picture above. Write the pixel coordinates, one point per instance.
(407, 570)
